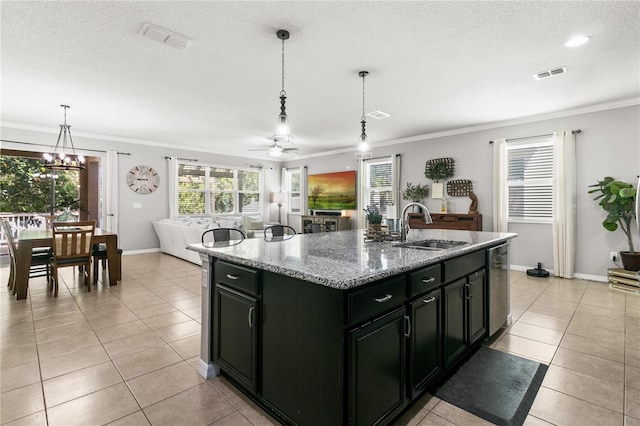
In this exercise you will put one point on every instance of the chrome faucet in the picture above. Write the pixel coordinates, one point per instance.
(404, 224)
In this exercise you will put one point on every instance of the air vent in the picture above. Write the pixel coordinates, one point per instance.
(164, 36)
(378, 115)
(550, 73)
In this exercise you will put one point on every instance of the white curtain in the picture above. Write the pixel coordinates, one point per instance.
(500, 202)
(172, 183)
(564, 203)
(110, 211)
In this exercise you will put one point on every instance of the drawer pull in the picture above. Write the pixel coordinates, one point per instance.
(428, 280)
(251, 320)
(233, 277)
(429, 300)
(383, 299)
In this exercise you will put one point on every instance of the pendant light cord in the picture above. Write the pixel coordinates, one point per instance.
(363, 76)
(283, 92)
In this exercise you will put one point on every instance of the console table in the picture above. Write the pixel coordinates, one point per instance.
(467, 222)
(327, 223)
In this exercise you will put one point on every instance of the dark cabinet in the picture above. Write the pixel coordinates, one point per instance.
(425, 361)
(377, 369)
(476, 296)
(454, 342)
(236, 335)
(464, 314)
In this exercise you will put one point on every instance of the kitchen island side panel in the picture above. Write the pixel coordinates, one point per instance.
(303, 349)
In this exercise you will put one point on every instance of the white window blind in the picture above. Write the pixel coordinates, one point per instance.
(208, 190)
(530, 180)
(379, 183)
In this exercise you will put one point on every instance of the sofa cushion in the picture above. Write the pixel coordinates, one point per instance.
(254, 224)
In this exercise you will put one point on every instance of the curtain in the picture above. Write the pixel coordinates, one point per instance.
(110, 212)
(172, 182)
(564, 202)
(500, 206)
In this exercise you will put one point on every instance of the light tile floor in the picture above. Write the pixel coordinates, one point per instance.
(126, 355)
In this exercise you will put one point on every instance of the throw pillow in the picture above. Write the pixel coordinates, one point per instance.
(254, 224)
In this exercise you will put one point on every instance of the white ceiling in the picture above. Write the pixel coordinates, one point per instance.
(434, 66)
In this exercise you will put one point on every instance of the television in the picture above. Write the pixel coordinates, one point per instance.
(332, 191)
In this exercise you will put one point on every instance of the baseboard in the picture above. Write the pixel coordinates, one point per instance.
(587, 277)
(207, 370)
(143, 251)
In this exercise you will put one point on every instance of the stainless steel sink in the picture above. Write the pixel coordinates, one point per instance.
(432, 244)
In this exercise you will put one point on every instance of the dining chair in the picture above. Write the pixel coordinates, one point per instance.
(278, 232)
(222, 237)
(99, 254)
(40, 259)
(72, 244)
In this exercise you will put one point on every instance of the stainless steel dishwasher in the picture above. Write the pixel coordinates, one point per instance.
(499, 300)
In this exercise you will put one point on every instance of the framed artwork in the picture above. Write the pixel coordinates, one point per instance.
(332, 191)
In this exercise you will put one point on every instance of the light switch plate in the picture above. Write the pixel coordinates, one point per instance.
(137, 205)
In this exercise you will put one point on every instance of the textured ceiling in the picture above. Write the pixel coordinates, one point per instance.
(434, 66)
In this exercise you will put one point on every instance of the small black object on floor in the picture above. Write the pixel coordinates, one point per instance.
(539, 272)
(495, 385)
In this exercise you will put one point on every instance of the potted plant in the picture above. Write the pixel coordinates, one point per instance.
(415, 193)
(374, 217)
(618, 201)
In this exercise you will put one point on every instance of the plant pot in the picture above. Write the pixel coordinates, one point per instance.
(375, 226)
(630, 261)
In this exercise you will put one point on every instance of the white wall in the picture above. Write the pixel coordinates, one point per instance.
(609, 145)
(135, 228)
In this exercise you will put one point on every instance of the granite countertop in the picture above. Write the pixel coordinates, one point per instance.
(343, 259)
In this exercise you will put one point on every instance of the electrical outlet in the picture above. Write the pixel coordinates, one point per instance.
(613, 255)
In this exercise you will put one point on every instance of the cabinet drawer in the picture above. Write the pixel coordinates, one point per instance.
(463, 265)
(378, 298)
(237, 277)
(424, 280)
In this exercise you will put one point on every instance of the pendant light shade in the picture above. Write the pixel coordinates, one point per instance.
(363, 144)
(282, 129)
(64, 157)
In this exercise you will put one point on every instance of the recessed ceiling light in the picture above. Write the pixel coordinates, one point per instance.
(577, 41)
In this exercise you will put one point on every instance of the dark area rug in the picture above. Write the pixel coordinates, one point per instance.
(495, 385)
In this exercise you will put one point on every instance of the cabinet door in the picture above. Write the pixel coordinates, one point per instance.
(424, 343)
(236, 335)
(455, 342)
(476, 295)
(377, 369)
(330, 225)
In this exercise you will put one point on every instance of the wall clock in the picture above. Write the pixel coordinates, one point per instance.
(143, 179)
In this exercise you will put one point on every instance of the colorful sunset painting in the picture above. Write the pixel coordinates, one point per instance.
(332, 191)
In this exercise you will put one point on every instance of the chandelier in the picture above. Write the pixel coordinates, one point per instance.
(63, 158)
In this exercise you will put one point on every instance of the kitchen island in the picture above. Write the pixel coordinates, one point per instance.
(330, 329)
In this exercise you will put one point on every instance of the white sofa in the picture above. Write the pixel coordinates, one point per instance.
(177, 233)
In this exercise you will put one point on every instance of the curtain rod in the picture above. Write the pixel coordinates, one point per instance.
(46, 146)
(182, 159)
(575, 132)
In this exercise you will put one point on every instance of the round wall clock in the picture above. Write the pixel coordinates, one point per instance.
(143, 179)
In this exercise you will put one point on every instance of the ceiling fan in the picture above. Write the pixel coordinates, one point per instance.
(275, 149)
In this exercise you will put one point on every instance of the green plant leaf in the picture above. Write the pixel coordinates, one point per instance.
(610, 226)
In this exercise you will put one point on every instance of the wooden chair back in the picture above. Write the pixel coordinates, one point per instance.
(72, 242)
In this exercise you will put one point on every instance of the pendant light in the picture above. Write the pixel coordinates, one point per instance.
(363, 144)
(63, 158)
(282, 129)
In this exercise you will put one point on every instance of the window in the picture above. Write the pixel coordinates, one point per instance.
(530, 180)
(209, 190)
(293, 185)
(378, 185)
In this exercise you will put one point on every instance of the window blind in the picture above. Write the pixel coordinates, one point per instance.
(530, 181)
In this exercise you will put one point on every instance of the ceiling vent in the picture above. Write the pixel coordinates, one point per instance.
(165, 36)
(378, 115)
(550, 73)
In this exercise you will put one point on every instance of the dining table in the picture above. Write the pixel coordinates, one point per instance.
(28, 239)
